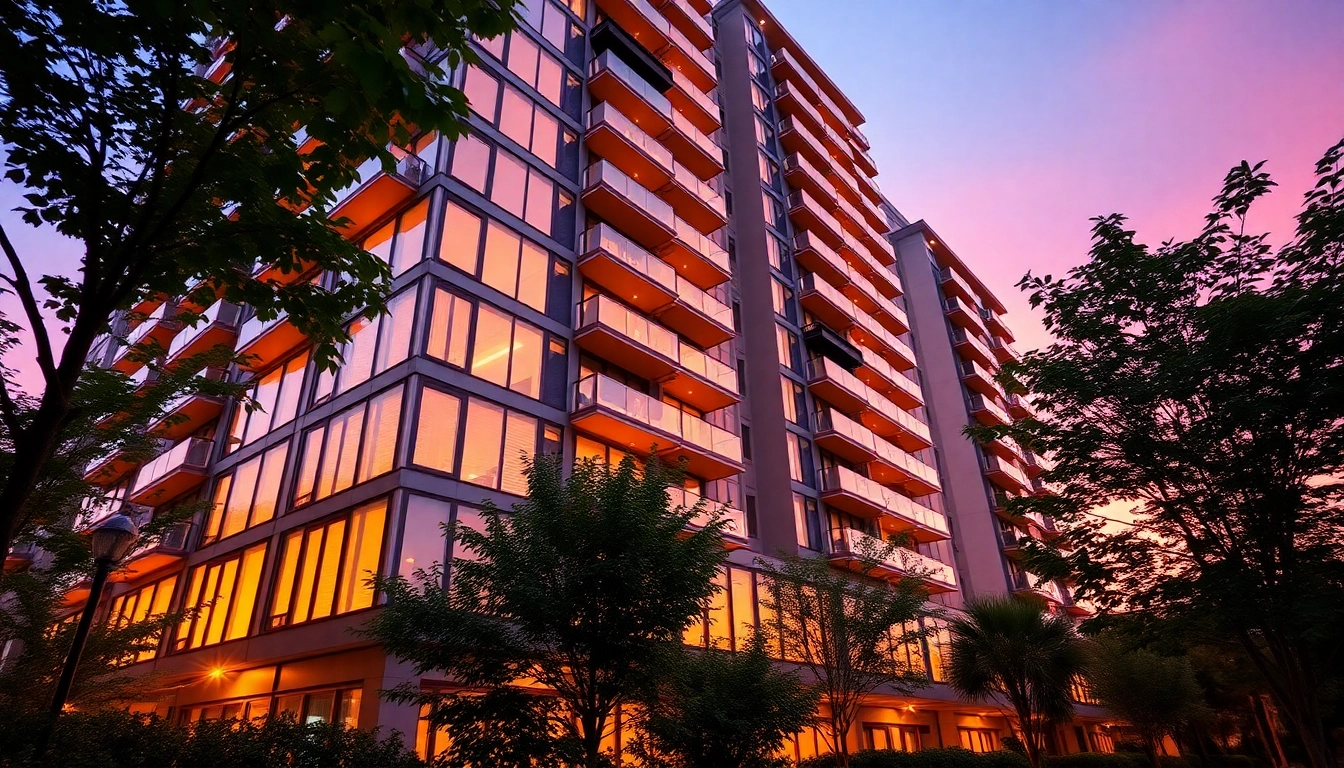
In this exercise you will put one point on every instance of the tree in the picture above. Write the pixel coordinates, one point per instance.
(720, 709)
(166, 140)
(1202, 382)
(851, 631)
(1157, 695)
(1010, 650)
(580, 589)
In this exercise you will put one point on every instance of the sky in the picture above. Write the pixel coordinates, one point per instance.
(1008, 125)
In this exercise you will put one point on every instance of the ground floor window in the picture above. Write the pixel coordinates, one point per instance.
(979, 739)
(889, 736)
(339, 706)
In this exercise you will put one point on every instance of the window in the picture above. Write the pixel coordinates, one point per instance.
(759, 98)
(807, 521)
(325, 568)
(220, 597)
(517, 116)
(424, 538)
(450, 328)
(374, 346)
(979, 739)
(730, 618)
(769, 172)
(514, 186)
(587, 448)
(554, 24)
(777, 252)
(401, 242)
(774, 210)
(765, 134)
(781, 297)
(787, 345)
(248, 496)
(795, 401)
(143, 604)
(436, 430)
(537, 68)
(340, 707)
(888, 736)
(471, 162)
(276, 397)
(499, 441)
(507, 351)
(800, 459)
(355, 445)
(502, 259)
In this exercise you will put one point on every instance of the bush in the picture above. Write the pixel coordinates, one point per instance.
(949, 757)
(1099, 760)
(124, 740)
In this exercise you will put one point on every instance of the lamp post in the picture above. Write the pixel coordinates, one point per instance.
(112, 541)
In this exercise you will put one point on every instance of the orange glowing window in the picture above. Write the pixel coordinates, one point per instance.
(143, 604)
(223, 594)
(324, 569)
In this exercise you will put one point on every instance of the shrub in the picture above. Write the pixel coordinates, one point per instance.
(122, 740)
(1099, 760)
(949, 757)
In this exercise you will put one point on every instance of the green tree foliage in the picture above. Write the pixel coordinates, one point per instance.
(1009, 650)
(176, 182)
(1203, 382)
(850, 631)
(1156, 695)
(581, 588)
(123, 740)
(719, 709)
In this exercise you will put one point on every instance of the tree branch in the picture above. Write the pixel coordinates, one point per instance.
(24, 289)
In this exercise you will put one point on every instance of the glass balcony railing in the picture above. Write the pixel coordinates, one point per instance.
(254, 327)
(839, 479)
(698, 137)
(606, 238)
(702, 365)
(997, 466)
(601, 392)
(702, 244)
(841, 424)
(976, 347)
(165, 312)
(981, 403)
(600, 310)
(606, 115)
(220, 316)
(699, 98)
(702, 302)
(735, 518)
(701, 189)
(603, 173)
(192, 454)
(610, 62)
(852, 543)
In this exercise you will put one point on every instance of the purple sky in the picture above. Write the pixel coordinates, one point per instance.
(1008, 125)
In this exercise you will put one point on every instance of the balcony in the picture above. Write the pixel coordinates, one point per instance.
(692, 101)
(695, 201)
(806, 213)
(609, 410)
(987, 411)
(619, 199)
(274, 274)
(692, 147)
(826, 302)
(847, 490)
(171, 474)
(614, 82)
(869, 189)
(803, 175)
(865, 163)
(615, 137)
(971, 347)
(887, 464)
(792, 102)
(962, 313)
(263, 342)
(686, 59)
(110, 468)
(796, 137)
(188, 412)
(979, 378)
(1031, 585)
(1036, 464)
(1005, 474)
(852, 549)
(702, 381)
(698, 316)
(171, 547)
(956, 285)
(689, 23)
(833, 346)
(735, 530)
(868, 332)
(20, 556)
(1020, 407)
(846, 392)
(895, 386)
(695, 255)
(819, 258)
(614, 332)
(156, 330)
(618, 264)
(1003, 351)
(378, 191)
(640, 19)
(217, 326)
(994, 322)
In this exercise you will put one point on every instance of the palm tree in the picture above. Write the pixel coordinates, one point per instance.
(1006, 649)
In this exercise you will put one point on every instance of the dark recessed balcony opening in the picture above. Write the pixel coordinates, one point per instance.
(832, 346)
(608, 36)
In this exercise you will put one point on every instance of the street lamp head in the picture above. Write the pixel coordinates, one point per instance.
(113, 539)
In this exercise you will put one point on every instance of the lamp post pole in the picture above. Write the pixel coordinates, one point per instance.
(112, 541)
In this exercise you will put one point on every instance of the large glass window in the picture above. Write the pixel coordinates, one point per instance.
(143, 604)
(401, 242)
(519, 117)
(787, 345)
(424, 535)
(355, 445)
(800, 458)
(247, 496)
(795, 403)
(275, 399)
(436, 430)
(325, 568)
(807, 520)
(374, 346)
(501, 258)
(220, 598)
(514, 186)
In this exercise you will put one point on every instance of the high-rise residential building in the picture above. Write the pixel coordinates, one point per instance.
(663, 229)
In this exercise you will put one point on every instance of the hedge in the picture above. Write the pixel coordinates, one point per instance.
(956, 757)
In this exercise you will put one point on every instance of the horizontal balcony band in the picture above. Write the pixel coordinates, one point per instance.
(172, 473)
(847, 490)
(691, 24)
(856, 399)
(612, 81)
(1005, 474)
(216, 327)
(735, 520)
(619, 199)
(887, 463)
(693, 147)
(857, 550)
(263, 342)
(617, 139)
(694, 201)
(694, 102)
(188, 412)
(378, 191)
(696, 256)
(979, 378)
(972, 348)
(987, 410)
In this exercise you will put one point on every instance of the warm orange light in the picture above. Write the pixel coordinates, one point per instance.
(216, 673)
